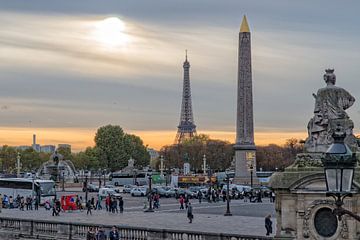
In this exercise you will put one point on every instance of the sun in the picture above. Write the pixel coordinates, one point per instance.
(110, 33)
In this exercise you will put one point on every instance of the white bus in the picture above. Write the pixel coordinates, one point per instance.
(122, 179)
(45, 189)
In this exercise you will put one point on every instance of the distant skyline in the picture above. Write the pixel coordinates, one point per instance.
(70, 67)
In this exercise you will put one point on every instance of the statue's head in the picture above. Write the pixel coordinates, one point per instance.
(329, 76)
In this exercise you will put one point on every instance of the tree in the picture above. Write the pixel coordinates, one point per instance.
(115, 148)
(218, 153)
(66, 152)
(136, 149)
(87, 159)
(274, 156)
(8, 158)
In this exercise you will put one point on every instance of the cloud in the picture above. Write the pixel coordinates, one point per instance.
(54, 74)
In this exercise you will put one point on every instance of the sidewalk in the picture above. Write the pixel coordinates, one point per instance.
(158, 220)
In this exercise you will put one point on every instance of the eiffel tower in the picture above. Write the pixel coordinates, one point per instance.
(186, 128)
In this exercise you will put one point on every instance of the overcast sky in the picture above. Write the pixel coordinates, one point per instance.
(60, 79)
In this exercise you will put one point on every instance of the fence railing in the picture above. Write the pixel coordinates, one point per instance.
(44, 229)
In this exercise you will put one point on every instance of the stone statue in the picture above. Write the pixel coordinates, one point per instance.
(329, 113)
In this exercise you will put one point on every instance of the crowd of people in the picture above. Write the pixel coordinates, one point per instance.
(21, 202)
(100, 234)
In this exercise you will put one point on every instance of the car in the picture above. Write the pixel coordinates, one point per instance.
(170, 191)
(104, 192)
(127, 188)
(138, 192)
(181, 191)
(112, 187)
(91, 188)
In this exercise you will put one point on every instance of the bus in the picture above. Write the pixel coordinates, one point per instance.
(122, 179)
(44, 189)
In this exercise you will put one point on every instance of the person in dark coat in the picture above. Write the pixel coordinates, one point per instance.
(114, 234)
(121, 205)
(100, 235)
(268, 225)
(90, 235)
(88, 207)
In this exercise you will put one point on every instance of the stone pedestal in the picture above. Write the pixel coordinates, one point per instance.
(302, 209)
(244, 159)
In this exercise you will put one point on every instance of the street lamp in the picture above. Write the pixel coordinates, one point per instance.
(63, 181)
(228, 213)
(339, 165)
(86, 188)
(251, 175)
(150, 209)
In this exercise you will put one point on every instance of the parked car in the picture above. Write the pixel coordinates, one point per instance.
(127, 188)
(91, 188)
(138, 192)
(104, 192)
(184, 192)
(112, 187)
(170, 191)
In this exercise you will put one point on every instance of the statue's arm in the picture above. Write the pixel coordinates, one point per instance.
(314, 95)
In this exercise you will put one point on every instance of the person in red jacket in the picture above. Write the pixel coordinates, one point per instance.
(181, 201)
(107, 203)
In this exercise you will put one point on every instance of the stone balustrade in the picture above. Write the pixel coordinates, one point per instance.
(16, 228)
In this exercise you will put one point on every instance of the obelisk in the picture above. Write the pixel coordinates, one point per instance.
(245, 158)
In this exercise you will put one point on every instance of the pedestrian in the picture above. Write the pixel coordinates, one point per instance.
(98, 203)
(186, 201)
(100, 235)
(114, 234)
(190, 212)
(121, 205)
(199, 195)
(22, 203)
(181, 201)
(91, 235)
(93, 203)
(47, 205)
(114, 205)
(107, 203)
(11, 202)
(36, 203)
(268, 225)
(88, 207)
(272, 196)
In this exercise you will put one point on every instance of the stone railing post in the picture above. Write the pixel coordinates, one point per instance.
(63, 231)
(26, 227)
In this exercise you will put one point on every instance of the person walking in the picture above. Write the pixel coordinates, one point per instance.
(114, 234)
(100, 235)
(181, 201)
(200, 196)
(36, 203)
(268, 225)
(107, 203)
(88, 207)
(190, 212)
(121, 205)
(91, 235)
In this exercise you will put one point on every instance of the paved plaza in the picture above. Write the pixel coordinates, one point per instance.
(247, 219)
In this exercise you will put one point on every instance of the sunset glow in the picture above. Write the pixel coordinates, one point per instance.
(82, 138)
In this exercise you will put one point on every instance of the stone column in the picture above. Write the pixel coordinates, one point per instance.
(245, 155)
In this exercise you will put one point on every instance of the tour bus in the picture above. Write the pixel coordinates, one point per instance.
(45, 189)
(122, 179)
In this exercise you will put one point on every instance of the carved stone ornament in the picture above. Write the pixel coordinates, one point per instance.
(308, 222)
